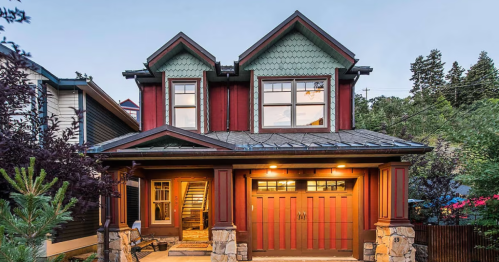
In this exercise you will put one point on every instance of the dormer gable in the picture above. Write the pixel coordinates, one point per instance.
(180, 43)
(298, 22)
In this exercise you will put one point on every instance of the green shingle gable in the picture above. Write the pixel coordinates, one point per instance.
(294, 55)
(184, 65)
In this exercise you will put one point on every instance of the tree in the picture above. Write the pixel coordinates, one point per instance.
(25, 131)
(454, 88)
(418, 73)
(23, 231)
(428, 76)
(435, 73)
(482, 79)
(433, 178)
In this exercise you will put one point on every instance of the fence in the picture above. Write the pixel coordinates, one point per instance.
(453, 244)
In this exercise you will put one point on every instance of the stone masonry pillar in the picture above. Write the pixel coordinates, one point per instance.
(224, 231)
(394, 233)
(119, 232)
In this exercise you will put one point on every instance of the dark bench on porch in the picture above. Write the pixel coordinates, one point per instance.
(137, 246)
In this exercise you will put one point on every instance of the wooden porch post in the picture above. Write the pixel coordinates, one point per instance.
(394, 232)
(118, 227)
(224, 231)
(224, 198)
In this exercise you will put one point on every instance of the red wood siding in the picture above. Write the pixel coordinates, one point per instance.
(153, 107)
(239, 106)
(218, 106)
(345, 104)
(371, 199)
(240, 201)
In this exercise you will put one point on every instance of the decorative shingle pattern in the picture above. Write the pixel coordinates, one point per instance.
(294, 55)
(184, 65)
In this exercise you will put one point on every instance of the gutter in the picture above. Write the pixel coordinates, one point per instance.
(218, 154)
(228, 102)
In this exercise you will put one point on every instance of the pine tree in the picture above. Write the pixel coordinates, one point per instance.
(453, 90)
(482, 79)
(23, 230)
(417, 69)
(434, 73)
(428, 76)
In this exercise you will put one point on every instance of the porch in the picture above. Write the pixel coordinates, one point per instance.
(311, 200)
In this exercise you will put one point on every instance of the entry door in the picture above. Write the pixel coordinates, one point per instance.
(275, 225)
(326, 224)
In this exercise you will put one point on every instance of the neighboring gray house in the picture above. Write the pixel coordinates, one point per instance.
(103, 119)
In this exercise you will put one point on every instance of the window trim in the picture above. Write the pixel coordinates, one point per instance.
(171, 106)
(152, 210)
(314, 129)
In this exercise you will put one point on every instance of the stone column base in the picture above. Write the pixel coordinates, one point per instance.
(369, 251)
(119, 246)
(394, 244)
(224, 245)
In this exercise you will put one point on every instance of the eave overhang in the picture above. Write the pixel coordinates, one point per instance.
(196, 154)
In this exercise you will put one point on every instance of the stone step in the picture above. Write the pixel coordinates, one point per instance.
(176, 251)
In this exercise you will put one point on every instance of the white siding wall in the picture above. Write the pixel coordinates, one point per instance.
(68, 99)
(52, 101)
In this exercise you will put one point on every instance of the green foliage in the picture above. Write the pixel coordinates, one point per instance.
(454, 88)
(483, 76)
(428, 76)
(478, 135)
(24, 227)
(401, 116)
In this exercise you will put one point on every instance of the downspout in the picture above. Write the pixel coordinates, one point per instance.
(228, 103)
(353, 98)
(140, 100)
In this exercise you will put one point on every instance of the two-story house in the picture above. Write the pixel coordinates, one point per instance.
(103, 119)
(262, 157)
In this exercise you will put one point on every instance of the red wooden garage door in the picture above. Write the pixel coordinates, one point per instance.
(302, 222)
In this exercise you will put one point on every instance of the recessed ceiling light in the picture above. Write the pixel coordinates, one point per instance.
(273, 166)
(341, 166)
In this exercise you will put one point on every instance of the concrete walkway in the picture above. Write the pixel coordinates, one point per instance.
(162, 256)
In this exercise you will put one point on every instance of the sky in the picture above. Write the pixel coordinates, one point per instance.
(105, 38)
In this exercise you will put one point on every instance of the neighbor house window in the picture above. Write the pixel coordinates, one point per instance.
(325, 185)
(294, 103)
(185, 105)
(280, 185)
(161, 210)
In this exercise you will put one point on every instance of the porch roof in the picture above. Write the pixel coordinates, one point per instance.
(345, 141)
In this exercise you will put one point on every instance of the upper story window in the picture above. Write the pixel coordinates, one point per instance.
(185, 105)
(294, 103)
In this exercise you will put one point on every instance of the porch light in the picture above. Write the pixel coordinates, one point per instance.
(341, 166)
(273, 166)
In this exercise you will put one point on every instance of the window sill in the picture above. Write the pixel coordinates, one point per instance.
(295, 130)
